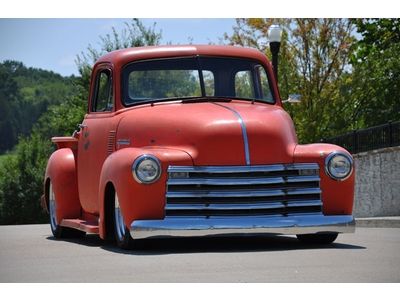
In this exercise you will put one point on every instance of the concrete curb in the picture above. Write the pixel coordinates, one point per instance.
(379, 222)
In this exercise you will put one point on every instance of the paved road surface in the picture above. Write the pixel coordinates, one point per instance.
(29, 254)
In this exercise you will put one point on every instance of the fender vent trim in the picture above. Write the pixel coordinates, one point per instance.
(111, 142)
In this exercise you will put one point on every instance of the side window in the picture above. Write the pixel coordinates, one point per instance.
(103, 99)
(244, 85)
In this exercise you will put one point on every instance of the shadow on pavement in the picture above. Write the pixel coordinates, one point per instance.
(219, 244)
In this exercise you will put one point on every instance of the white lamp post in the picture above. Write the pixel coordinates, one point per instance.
(274, 37)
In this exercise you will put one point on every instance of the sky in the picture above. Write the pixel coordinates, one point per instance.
(52, 44)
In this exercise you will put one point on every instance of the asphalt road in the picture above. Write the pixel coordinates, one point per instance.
(30, 254)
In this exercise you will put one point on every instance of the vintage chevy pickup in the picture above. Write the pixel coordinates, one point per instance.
(193, 141)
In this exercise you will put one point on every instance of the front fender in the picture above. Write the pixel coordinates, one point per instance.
(337, 196)
(61, 171)
(137, 201)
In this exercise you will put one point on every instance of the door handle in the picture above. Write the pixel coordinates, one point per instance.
(78, 130)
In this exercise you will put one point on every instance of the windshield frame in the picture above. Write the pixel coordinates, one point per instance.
(124, 74)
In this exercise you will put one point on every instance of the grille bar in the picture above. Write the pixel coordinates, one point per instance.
(242, 193)
(241, 181)
(243, 169)
(267, 190)
(267, 205)
(243, 200)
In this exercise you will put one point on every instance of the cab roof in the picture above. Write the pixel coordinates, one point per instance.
(121, 57)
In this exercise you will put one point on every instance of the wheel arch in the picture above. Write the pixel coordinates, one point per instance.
(133, 196)
(46, 188)
(113, 172)
(107, 231)
(61, 172)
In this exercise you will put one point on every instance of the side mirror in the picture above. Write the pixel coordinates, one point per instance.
(293, 98)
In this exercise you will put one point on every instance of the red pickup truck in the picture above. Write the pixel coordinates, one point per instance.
(192, 141)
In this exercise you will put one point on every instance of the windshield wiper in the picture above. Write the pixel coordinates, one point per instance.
(188, 99)
(219, 99)
(206, 99)
(194, 99)
(150, 101)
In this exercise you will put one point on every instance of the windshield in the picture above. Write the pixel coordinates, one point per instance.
(191, 77)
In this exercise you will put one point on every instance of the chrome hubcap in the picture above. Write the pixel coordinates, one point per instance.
(52, 208)
(119, 222)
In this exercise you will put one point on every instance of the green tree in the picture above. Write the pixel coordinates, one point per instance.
(21, 180)
(9, 95)
(134, 34)
(374, 88)
(25, 93)
(313, 60)
(21, 172)
(63, 119)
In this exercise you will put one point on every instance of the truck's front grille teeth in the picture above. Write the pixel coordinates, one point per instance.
(243, 190)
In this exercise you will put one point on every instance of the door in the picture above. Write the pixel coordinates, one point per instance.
(93, 146)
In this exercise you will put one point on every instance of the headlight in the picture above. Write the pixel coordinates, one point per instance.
(338, 165)
(146, 169)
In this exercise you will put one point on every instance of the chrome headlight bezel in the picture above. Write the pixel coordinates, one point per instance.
(328, 161)
(142, 160)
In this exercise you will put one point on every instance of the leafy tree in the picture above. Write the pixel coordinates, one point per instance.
(21, 172)
(21, 180)
(9, 125)
(25, 93)
(313, 60)
(135, 34)
(377, 35)
(63, 119)
(374, 88)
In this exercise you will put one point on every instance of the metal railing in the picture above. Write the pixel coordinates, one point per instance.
(381, 136)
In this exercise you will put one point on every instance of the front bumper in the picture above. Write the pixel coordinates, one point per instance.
(195, 226)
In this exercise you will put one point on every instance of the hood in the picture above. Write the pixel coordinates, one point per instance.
(213, 133)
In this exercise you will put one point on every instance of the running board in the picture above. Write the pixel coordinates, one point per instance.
(82, 225)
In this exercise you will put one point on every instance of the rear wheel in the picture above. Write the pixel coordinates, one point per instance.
(317, 238)
(57, 230)
(121, 232)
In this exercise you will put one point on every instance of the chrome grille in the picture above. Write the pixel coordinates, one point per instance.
(269, 190)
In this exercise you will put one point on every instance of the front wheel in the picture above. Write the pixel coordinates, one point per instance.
(317, 238)
(122, 236)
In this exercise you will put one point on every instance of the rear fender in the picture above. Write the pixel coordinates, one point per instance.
(61, 172)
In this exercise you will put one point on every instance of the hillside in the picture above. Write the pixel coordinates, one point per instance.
(25, 94)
